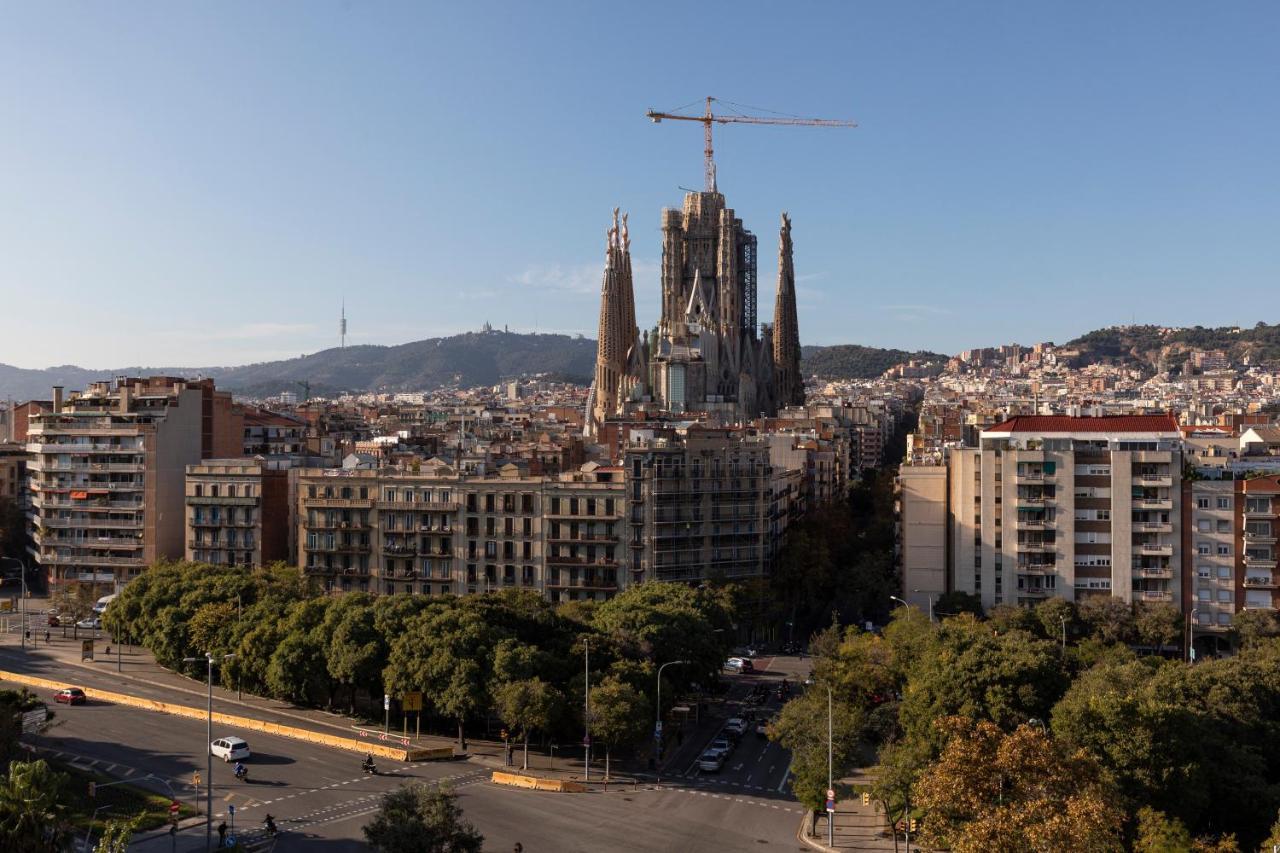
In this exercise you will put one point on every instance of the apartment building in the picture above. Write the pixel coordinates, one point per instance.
(237, 512)
(437, 532)
(107, 469)
(923, 533)
(700, 505)
(1050, 506)
(13, 474)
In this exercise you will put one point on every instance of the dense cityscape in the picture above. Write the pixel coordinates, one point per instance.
(458, 543)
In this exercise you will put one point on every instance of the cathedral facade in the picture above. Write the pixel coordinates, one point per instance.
(707, 355)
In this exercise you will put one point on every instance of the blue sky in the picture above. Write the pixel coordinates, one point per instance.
(202, 184)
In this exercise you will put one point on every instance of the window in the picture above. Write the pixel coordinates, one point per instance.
(1204, 594)
(200, 490)
(1224, 503)
(1204, 572)
(1203, 548)
(1224, 572)
(1224, 596)
(1224, 618)
(1202, 503)
(1224, 550)
(1204, 525)
(1224, 526)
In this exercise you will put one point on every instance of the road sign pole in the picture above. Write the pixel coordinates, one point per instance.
(386, 713)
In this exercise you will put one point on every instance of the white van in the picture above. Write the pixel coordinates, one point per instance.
(103, 602)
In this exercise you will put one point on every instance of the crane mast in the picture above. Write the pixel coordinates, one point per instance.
(709, 118)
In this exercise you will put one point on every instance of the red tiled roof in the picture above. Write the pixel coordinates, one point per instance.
(1107, 423)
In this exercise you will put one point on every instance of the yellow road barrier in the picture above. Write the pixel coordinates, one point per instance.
(537, 783)
(397, 753)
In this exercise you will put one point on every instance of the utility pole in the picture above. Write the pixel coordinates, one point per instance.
(831, 815)
(657, 725)
(586, 708)
(208, 749)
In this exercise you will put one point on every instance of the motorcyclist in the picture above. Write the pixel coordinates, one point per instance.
(367, 764)
(241, 771)
(271, 824)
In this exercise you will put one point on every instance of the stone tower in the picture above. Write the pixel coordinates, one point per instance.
(617, 336)
(786, 327)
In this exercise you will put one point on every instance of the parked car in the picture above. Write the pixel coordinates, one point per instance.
(711, 761)
(736, 726)
(230, 749)
(53, 621)
(94, 623)
(70, 696)
(735, 664)
(723, 743)
(762, 728)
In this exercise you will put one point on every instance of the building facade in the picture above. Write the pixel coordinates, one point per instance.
(237, 513)
(107, 468)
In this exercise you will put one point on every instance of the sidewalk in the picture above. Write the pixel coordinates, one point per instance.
(857, 827)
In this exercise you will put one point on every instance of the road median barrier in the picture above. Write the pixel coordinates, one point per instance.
(395, 753)
(537, 783)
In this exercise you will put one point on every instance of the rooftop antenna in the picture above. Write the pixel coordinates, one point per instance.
(342, 326)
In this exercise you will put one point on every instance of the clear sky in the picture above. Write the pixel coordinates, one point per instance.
(203, 183)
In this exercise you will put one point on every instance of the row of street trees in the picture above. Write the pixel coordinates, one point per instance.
(508, 653)
(999, 735)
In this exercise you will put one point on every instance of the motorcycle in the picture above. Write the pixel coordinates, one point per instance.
(369, 768)
(270, 825)
(242, 773)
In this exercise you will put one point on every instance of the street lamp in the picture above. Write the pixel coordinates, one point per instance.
(22, 602)
(586, 709)
(208, 797)
(903, 603)
(1191, 631)
(657, 725)
(831, 815)
(930, 595)
(1063, 619)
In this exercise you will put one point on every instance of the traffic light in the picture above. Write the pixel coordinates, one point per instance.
(93, 790)
(913, 824)
(504, 734)
(866, 798)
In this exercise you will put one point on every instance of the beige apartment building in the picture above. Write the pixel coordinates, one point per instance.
(237, 512)
(438, 532)
(1052, 506)
(702, 505)
(107, 468)
(923, 539)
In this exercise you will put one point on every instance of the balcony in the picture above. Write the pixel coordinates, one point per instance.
(1035, 592)
(88, 560)
(1259, 538)
(1037, 568)
(337, 503)
(89, 524)
(1033, 524)
(1030, 476)
(421, 506)
(399, 550)
(1037, 547)
(1166, 573)
(1153, 595)
(1154, 481)
(1260, 582)
(206, 500)
(1259, 513)
(1153, 503)
(1152, 527)
(1259, 562)
(1154, 550)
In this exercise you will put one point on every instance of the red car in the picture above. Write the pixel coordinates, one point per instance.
(71, 696)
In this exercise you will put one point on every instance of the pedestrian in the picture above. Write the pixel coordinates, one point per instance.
(222, 834)
(519, 848)
(46, 638)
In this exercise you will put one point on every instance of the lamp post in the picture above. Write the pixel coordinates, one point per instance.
(657, 721)
(208, 797)
(1063, 620)
(930, 597)
(22, 601)
(1191, 631)
(903, 603)
(831, 816)
(239, 675)
(586, 709)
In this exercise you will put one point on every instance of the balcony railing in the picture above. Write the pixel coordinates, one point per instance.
(1153, 595)
(1257, 581)
(1259, 538)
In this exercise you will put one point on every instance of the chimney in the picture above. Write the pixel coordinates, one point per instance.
(125, 397)
(57, 399)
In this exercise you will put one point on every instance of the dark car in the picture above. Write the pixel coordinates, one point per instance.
(70, 696)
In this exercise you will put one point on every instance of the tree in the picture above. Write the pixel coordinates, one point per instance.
(1158, 624)
(421, 818)
(619, 716)
(992, 790)
(954, 603)
(1055, 615)
(1108, 618)
(801, 727)
(1158, 833)
(116, 835)
(1254, 626)
(525, 705)
(33, 818)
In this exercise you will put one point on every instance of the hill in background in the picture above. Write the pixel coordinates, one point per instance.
(1145, 346)
(852, 361)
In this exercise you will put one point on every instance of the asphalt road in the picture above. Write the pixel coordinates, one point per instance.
(320, 799)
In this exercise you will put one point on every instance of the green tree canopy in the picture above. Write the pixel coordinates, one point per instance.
(421, 818)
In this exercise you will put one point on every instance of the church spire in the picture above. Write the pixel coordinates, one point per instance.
(786, 326)
(617, 333)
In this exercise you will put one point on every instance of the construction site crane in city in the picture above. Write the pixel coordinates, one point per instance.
(708, 118)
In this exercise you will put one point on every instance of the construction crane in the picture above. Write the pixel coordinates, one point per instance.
(708, 119)
(306, 389)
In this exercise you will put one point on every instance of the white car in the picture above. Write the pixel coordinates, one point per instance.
(737, 726)
(89, 623)
(711, 761)
(735, 664)
(229, 749)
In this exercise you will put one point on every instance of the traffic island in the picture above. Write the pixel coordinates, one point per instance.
(537, 783)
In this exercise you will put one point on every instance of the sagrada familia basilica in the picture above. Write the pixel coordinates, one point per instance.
(706, 355)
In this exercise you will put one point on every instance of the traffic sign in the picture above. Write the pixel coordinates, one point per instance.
(386, 702)
(231, 808)
(831, 806)
(657, 729)
(174, 807)
(231, 841)
(586, 740)
(411, 701)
